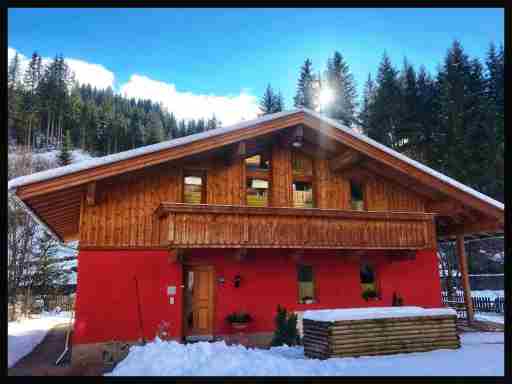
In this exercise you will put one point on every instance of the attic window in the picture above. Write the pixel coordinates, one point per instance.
(194, 188)
(258, 163)
(356, 196)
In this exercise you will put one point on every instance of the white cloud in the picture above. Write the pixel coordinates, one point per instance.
(187, 105)
(86, 73)
(229, 109)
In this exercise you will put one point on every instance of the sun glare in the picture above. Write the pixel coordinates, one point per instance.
(326, 96)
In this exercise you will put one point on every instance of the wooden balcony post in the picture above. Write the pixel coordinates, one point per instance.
(463, 267)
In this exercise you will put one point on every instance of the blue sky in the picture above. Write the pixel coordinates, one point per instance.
(224, 58)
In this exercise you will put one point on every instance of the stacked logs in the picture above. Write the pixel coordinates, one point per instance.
(372, 337)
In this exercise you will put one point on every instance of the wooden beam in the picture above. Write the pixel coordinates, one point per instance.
(91, 193)
(445, 207)
(463, 267)
(471, 228)
(346, 160)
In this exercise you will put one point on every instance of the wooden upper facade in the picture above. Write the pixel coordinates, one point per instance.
(313, 185)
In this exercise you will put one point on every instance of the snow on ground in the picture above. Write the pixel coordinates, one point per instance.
(481, 354)
(490, 316)
(25, 335)
(374, 313)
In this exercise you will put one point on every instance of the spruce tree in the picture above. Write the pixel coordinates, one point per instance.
(365, 115)
(341, 82)
(154, 129)
(386, 111)
(306, 93)
(271, 102)
(65, 156)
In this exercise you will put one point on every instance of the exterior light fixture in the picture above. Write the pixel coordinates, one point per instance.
(297, 142)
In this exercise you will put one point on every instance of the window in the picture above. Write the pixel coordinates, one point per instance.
(306, 284)
(257, 192)
(356, 193)
(194, 188)
(368, 280)
(302, 194)
(258, 163)
(257, 181)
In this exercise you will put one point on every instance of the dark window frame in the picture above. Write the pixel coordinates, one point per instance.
(300, 300)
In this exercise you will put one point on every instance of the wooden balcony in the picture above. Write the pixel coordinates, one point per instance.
(228, 226)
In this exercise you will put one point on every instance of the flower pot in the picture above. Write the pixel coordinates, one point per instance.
(239, 326)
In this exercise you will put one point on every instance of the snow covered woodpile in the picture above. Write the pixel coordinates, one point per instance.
(378, 331)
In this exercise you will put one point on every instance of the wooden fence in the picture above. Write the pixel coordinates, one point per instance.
(480, 304)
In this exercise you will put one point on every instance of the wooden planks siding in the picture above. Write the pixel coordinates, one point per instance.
(123, 213)
(281, 183)
(382, 195)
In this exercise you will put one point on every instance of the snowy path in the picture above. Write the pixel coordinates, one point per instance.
(25, 335)
(481, 354)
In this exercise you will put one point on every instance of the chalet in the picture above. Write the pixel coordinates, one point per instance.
(291, 208)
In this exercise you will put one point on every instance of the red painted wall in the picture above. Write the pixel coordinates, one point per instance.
(107, 306)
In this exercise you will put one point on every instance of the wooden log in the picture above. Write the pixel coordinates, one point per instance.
(401, 347)
(392, 323)
(386, 352)
(390, 340)
(397, 330)
(391, 336)
(394, 319)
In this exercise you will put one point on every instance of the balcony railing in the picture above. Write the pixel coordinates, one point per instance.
(229, 226)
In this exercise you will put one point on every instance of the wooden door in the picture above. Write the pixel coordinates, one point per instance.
(199, 286)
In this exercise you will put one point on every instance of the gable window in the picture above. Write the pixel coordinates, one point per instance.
(257, 192)
(302, 194)
(306, 284)
(356, 196)
(368, 281)
(257, 180)
(258, 163)
(194, 191)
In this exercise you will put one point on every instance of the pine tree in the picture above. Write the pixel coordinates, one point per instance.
(65, 157)
(368, 100)
(154, 128)
(306, 91)
(341, 82)
(386, 110)
(271, 102)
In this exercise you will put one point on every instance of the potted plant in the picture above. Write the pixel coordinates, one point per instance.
(239, 320)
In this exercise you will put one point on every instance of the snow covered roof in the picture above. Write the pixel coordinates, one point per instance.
(88, 164)
(125, 155)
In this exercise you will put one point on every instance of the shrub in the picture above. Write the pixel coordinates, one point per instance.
(286, 332)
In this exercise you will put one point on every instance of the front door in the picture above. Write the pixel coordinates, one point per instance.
(198, 311)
